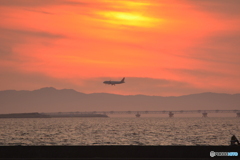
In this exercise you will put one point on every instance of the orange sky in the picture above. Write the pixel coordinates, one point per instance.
(165, 48)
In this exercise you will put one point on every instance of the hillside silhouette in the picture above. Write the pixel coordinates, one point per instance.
(50, 99)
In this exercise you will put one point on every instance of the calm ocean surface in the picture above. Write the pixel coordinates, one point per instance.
(118, 131)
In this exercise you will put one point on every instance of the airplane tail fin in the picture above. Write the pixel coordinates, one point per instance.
(123, 80)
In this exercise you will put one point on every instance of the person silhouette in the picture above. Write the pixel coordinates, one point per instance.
(234, 140)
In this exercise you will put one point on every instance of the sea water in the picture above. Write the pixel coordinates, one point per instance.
(118, 131)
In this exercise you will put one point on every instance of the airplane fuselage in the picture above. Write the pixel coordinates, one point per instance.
(114, 82)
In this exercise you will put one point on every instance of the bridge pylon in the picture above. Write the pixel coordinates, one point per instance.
(138, 115)
(238, 114)
(171, 114)
(204, 114)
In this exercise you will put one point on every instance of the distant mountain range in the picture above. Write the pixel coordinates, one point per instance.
(67, 100)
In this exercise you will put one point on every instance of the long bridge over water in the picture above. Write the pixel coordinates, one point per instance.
(139, 113)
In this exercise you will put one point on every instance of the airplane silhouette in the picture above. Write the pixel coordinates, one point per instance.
(114, 82)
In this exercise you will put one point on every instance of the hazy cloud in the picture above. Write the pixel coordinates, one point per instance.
(38, 11)
(13, 79)
(138, 85)
(38, 3)
(229, 8)
(198, 73)
(13, 36)
(17, 32)
(222, 48)
(9, 38)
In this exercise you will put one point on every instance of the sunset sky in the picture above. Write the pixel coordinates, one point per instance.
(162, 47)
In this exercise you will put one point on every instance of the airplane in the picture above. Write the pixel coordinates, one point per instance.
(114, 82)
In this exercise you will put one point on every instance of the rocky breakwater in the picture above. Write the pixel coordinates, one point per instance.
(24, 115)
